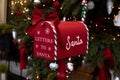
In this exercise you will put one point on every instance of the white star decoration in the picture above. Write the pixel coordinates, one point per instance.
(36, 45)
(49, 48)
(38, 32)
(47, 30)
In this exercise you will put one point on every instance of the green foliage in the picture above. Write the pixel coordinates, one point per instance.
(97, 46)
(39, 66)
(3, 68)
(71, 9)
(115, 47)
(6, 28)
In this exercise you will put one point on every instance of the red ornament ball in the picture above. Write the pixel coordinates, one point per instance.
(56, 4)
(18, 13)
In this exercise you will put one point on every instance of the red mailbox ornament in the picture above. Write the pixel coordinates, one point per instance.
(69, 38)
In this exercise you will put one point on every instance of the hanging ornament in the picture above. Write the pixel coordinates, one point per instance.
(53, 66)
(116, 78)
(84, 9)
(56, 4)
(64, 18)
(70, 65)
(27, 78)
(36, 1)
(111, 74)
(117, 20)
(14, 34)
(91, 5)
(109, 6)
(29, 58)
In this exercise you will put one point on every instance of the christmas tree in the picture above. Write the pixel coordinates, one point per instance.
(100, 16)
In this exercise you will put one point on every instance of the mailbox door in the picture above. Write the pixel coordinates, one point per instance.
(74, 39)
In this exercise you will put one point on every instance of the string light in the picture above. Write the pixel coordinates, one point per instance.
(96, 25)
(28, 18)
(104, 29)
(114, 38)
(25, 1)
(43, 5)
(12, 13)
(92, 38)
(118, 35)
(90, 21)
(118, 7)
(89, 26)
(12, 2)
(105, 18)
(21, 3)
(61, 8)
(22, 8)
(23, 11)
(108, 18)
(37, 76)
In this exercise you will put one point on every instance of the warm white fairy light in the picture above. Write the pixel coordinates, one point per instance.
(37, 77)
(25, 1)
(23, 11)
(27, 10)
(90, 21)
(12, 13)
(118, 35)
(28, 18)
(105, 18)
(92, 38)
(61, 8)
(18, 1)
(21, 3)
(118, 7)
(89, 26)
(12, 2)
(43, 5)
(104, 29)
(96, 25)
(109, 18)
(114, 38)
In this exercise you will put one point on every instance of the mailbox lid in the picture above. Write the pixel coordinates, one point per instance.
(74, 39)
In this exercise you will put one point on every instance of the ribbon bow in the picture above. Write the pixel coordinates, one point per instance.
(108, 63)
(39, 16)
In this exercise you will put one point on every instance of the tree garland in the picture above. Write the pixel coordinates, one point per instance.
(97, 46)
